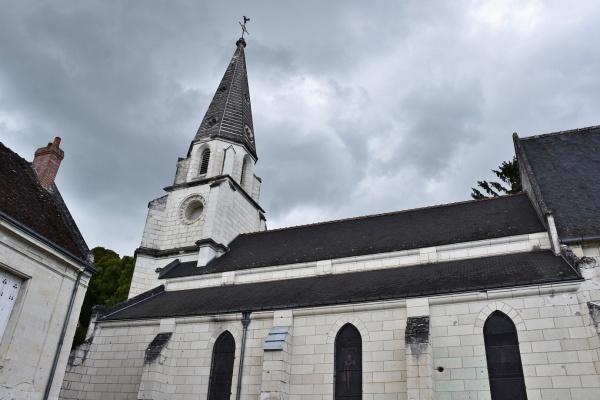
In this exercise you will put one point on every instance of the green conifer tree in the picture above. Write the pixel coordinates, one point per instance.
(508, 172)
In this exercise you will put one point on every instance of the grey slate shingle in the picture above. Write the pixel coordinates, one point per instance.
(511, 270)
(412, 229)
(565, 167)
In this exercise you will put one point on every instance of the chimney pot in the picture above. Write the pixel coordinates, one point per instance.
(46, 162)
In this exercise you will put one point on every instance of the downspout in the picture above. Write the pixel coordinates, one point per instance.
(245, 323)
(63, 333)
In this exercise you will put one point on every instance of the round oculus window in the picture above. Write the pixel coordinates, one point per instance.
(191, 209)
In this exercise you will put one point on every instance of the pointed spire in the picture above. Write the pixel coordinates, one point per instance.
(229, 114)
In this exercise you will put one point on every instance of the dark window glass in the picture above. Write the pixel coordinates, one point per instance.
(204, 162)
(221, 370)
(503, 358)
(348, 364)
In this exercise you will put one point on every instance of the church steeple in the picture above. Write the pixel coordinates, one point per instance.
(229, 115)
(215, 193)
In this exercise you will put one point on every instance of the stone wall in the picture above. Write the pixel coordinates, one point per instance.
(31, 339)
(556, 347)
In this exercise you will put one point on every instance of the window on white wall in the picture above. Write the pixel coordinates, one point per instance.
(204, 161)
(9, 289)
(503, 358)
(348, 364)
(221, 369)
(244, 168)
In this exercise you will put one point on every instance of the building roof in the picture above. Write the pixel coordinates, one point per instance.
(229, 114)
(43, 211)
(563, 168)
(413, 229)
(513, 270)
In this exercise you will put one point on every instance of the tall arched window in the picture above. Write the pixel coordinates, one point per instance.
(221, 370)
(348, 364)
(244, 168)
(204, 161)
(503, 358)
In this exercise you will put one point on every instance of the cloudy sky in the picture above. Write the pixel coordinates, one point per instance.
(359, 107)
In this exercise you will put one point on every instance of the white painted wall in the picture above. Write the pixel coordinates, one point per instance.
(33, 329)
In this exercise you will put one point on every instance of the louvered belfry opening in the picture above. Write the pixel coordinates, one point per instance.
(204, 161)
(221, 370)
(503, 358)
(244, 167)
(348, 364)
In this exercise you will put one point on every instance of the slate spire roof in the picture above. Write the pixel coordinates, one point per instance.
(229, 115)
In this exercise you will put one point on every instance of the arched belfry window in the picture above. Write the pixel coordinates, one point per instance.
(204, 159)
(348, 364)
(244, 171)
(221, 369)
(503, 358)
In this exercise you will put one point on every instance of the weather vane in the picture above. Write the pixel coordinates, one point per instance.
(244, 26)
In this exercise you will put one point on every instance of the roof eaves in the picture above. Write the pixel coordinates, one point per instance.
(48, 242)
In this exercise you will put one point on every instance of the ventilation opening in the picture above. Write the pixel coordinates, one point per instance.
(212, 121)
(248, 131)
(244, 167)
(204, 162)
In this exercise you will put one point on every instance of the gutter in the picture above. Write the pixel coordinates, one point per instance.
(47, 242)
(245, 323)
(580, 239)
(63, 334)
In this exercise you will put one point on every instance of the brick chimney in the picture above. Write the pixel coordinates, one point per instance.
(46, 162)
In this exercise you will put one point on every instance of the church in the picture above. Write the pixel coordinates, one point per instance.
(490, 299)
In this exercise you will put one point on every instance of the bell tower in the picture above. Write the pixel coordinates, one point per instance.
(214, 196)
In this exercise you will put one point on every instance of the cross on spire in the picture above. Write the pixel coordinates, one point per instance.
(244, 26)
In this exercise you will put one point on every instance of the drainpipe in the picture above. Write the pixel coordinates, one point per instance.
(245, 323)
(63, 333)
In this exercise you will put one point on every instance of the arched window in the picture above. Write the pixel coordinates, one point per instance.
(221, 370)
(348, 364)
(244, 168)
(503, 358)
(204, 161)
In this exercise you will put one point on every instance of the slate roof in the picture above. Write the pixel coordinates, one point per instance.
(565, 168)
(479, 274)
(413, 229)
(25, 200)
(230, 111)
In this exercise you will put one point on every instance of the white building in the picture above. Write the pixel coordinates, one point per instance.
(473, 300)
(44, 272)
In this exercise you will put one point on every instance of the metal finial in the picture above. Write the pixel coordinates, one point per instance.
(244, 26)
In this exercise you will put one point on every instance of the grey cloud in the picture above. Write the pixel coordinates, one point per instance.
(416, 101)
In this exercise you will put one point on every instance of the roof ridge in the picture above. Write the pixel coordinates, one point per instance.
(382, 214)
(549, 134)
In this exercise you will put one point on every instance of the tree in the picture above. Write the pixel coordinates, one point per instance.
(107, 288)
(508, 172)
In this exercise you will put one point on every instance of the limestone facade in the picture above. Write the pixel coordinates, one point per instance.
(47, 282)
(559, 350)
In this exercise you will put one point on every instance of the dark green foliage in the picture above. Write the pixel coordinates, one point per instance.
(109, 287)
(508, 172)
